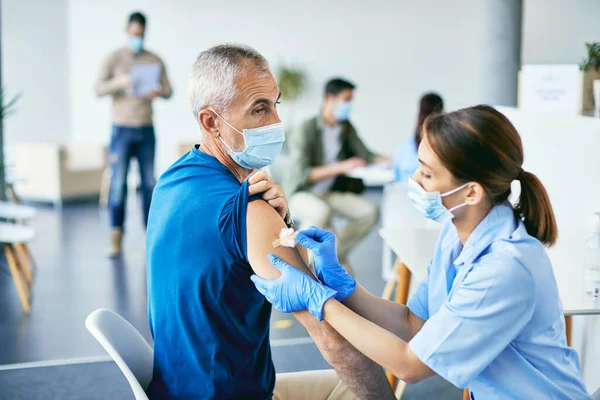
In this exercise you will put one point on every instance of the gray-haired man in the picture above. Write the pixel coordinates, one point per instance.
(208, 233)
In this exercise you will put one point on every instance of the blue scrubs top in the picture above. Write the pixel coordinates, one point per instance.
(406, 160)
(209, 323)
(494, 320)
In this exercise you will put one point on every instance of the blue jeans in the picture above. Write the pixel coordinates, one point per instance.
(125, 143)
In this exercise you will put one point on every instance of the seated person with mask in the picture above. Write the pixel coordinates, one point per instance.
(322, 150)
(208, 233)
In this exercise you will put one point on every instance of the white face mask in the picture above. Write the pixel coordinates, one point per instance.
(263, 145)
(430, 203)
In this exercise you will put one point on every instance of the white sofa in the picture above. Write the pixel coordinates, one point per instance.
(58, 172)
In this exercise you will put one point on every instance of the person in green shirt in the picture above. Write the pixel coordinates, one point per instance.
(323, 150)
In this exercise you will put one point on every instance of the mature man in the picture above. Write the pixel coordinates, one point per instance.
(208, 233)
(127, 75)
(323, 150)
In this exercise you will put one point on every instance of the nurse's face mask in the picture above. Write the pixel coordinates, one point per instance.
(430, 203)
(263, 145)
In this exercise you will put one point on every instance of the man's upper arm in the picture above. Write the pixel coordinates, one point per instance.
(359, 148)
(166, 90)
(263, 225)
(300, 169)
(104, 75)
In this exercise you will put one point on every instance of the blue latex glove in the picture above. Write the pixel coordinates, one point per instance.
(293, 290)
(327, 267)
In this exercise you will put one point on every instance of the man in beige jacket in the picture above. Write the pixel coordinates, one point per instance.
(124, 76)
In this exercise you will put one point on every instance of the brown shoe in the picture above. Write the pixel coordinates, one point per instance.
(116, 239)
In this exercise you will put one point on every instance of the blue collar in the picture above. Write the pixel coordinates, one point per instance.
(500, 223)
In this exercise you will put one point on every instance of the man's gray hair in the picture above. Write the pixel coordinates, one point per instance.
(213, 77)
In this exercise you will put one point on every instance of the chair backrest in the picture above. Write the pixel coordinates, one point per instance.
(126, 346)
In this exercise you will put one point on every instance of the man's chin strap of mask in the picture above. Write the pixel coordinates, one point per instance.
(231, 126)
(263, 145)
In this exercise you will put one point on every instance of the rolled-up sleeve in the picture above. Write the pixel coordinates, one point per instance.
(484, 314)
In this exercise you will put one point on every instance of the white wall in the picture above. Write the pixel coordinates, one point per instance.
(34, 62)
(555, 30)
(394, 51)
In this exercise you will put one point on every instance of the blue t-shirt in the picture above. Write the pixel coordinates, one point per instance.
(209, 323)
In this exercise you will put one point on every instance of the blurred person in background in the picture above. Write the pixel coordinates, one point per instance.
(132, 129)
(322, 150)
(406, 161)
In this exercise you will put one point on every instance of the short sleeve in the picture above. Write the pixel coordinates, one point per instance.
(418, 304)
(485, 313)
(232, 222)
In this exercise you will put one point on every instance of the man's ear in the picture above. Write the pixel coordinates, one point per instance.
(209, 123)
(475, 195)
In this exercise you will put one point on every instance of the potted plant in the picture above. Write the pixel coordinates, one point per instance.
(590, 66)
(292, 82)
(6, 109)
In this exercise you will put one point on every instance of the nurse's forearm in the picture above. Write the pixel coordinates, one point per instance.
(380, 345)
(389, 315)
(360, 374)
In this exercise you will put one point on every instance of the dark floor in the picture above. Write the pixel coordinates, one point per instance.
(74, 278)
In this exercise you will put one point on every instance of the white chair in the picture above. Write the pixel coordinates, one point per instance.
(13, 237)
(17, 212)
(127, 347)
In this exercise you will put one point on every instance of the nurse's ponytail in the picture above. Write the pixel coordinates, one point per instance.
(535, 209)
(479, 144)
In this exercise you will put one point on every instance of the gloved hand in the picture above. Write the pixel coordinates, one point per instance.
(293, 290)
(327, 267)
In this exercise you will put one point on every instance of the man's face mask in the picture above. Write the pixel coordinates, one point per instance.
(342, 111)
(262, 145)
(136, 43)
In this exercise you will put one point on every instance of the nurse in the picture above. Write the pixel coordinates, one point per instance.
(488, 315)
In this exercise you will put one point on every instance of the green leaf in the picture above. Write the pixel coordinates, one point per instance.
(291, 82)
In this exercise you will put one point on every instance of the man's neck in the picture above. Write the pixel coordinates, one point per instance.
(208, 146)
(328, 119)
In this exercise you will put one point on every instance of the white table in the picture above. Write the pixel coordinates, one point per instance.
(373, 175)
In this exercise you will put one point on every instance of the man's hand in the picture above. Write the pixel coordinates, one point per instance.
(384, 160)
(327, 267)
(352, 163)
(261, 182)
(153, 94)
(123, 81)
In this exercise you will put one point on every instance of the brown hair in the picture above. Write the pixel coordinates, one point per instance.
(479, 144)
(429, 103)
